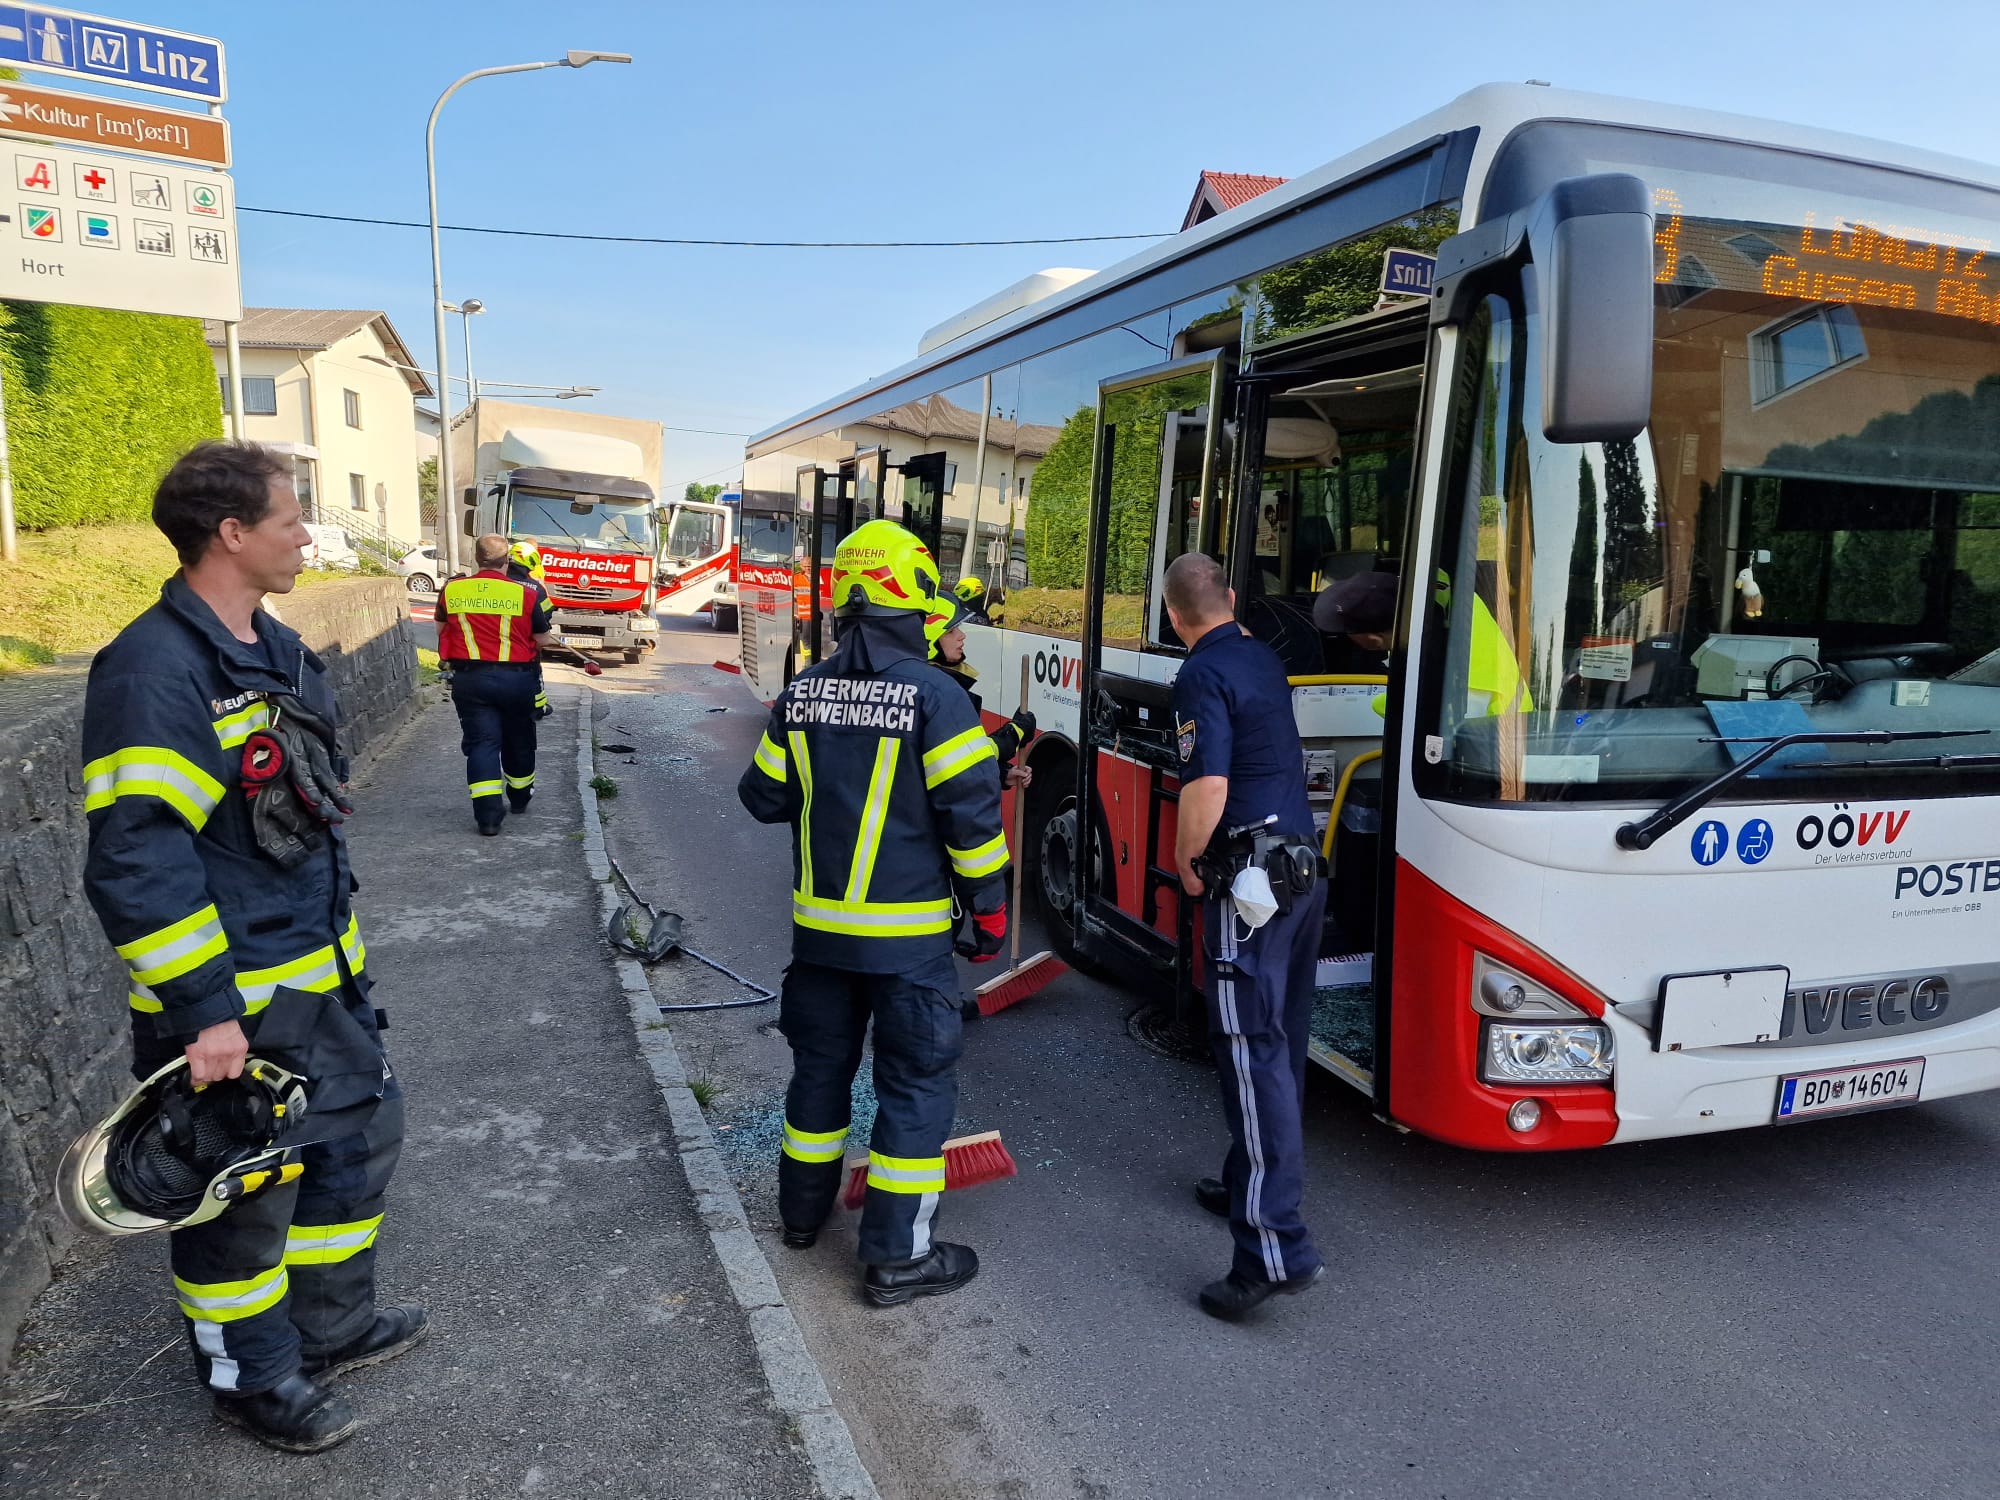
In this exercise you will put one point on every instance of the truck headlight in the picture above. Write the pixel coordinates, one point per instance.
(644, 622)
(1541, 1053)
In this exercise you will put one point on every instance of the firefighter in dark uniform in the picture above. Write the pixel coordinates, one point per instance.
(491, 629)
(1245, 844)
(524, 564)
(891, 785)
(213, 786)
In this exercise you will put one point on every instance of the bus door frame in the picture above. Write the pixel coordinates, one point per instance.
(1112, 703)
(933, 474)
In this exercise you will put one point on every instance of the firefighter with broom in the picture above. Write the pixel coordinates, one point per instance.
(892, 788)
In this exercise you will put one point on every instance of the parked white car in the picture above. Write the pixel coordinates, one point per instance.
(419, 567)
(331, 548)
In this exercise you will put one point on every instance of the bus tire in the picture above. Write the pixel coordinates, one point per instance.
(1053, 848)
(723, 617)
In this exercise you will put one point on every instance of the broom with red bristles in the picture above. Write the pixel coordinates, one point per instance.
(1021, 979)
(969, 1160)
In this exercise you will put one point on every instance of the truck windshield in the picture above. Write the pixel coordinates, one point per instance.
(695, 534)
(616, 525)
(1807, 536)
(767, 537)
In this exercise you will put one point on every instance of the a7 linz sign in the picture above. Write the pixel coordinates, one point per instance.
(85, 46)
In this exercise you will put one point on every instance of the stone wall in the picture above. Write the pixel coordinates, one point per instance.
(64, 1051)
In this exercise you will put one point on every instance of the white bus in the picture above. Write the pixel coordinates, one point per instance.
(1674, 805)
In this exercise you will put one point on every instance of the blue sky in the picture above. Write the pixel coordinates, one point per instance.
(933, 120)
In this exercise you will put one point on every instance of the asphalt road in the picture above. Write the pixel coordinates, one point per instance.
(1807, 1312)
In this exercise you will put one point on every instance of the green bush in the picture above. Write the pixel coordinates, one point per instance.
(99, 405)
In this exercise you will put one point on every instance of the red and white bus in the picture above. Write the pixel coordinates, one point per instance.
(1674, 804)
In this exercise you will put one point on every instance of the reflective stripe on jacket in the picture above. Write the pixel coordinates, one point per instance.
(892, 789)
(491, 617)
(209, 928)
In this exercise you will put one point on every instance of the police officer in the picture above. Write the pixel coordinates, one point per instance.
(491, 629)
(1242, 769)
(218, 866)
(890, 783)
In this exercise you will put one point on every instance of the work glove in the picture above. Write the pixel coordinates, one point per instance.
(309, 739)
(989, 933)
(1025, 722)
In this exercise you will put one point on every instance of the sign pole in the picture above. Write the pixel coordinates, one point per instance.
(10, 550)
(232, 359)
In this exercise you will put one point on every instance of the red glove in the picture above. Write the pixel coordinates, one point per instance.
(990, 933)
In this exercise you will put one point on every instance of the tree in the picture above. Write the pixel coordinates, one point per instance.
(427, 491)
(701, 494)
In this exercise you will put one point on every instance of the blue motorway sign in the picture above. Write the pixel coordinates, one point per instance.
(143, 57)
(1407, 273)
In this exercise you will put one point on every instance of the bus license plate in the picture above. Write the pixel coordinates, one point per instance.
(1845, 1090)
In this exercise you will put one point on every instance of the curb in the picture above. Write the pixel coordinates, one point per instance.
(789, 1368)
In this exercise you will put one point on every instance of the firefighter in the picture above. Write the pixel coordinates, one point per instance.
(971, 592)
(891, 786)
(491, 630)
(946, 631)
(1243, 822)
(214, 791)
(524, 565)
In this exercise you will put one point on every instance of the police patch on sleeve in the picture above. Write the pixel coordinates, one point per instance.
(1186, 728)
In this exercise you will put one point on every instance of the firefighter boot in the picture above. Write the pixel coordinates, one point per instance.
(947, 1268)
(394, 1330)
(295, 1415)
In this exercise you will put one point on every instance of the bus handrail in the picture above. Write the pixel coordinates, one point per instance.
(1340, 798)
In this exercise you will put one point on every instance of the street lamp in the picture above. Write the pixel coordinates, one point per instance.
(447, 529)
(467, 310)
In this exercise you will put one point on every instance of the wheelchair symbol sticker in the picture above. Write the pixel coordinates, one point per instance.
(1754, 842)
(1710, 843)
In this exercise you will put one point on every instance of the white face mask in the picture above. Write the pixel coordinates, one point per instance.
(1251, 892)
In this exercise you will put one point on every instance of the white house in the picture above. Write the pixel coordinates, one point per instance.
(336, 389)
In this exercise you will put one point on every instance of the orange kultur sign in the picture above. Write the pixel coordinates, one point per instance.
(83, 120)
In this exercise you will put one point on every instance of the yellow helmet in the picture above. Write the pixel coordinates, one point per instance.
(529, 556)
(944, 615)
(970, 589)
(880, 568)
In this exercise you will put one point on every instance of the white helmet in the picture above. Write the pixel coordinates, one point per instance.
(173, 1155)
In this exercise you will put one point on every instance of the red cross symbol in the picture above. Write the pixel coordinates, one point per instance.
(96, 179)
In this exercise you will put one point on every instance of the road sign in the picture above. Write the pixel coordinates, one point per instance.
(164, 242)
(1407, 273)
(149, 129)
(141, 57)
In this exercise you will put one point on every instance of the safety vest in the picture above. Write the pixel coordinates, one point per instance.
(489, 617)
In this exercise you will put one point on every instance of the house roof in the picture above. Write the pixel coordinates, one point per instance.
(314, 328)
(1218, 192)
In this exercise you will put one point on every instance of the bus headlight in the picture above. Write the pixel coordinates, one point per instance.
(1539, 1054)
(1499, 991)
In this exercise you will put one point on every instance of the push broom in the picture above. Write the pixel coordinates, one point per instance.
(968, 1161)
(1021, 979)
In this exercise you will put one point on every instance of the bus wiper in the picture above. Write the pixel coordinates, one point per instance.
(1905, 762)
(1642, 834)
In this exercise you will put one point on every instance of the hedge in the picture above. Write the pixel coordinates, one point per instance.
(99, 404)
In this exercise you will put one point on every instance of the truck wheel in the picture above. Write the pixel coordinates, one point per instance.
(632, 655)
(723, 617)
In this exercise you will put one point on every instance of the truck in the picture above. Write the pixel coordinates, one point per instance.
(698, 560)
(580, 497)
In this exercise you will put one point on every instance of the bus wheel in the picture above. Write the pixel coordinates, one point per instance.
(1054, 848)
(723, 617)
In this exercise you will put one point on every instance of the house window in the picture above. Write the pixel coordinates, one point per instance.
(260, 395)
(357, 491)
(352, 400)
(1787, 354)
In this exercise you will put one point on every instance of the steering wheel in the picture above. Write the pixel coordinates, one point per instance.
(1814, 679)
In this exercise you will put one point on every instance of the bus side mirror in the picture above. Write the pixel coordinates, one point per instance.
(1591, 242)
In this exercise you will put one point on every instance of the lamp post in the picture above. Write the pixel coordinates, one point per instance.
(467, 310)
(447, 528)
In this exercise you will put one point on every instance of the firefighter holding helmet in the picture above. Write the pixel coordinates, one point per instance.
(892, 788)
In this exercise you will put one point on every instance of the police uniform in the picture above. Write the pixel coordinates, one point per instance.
(881, 766)
(1233, 717)
(486, 627)
(213, 929)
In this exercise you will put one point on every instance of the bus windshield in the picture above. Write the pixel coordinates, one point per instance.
(767, 537)
(1806, 537)
(620, 526)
